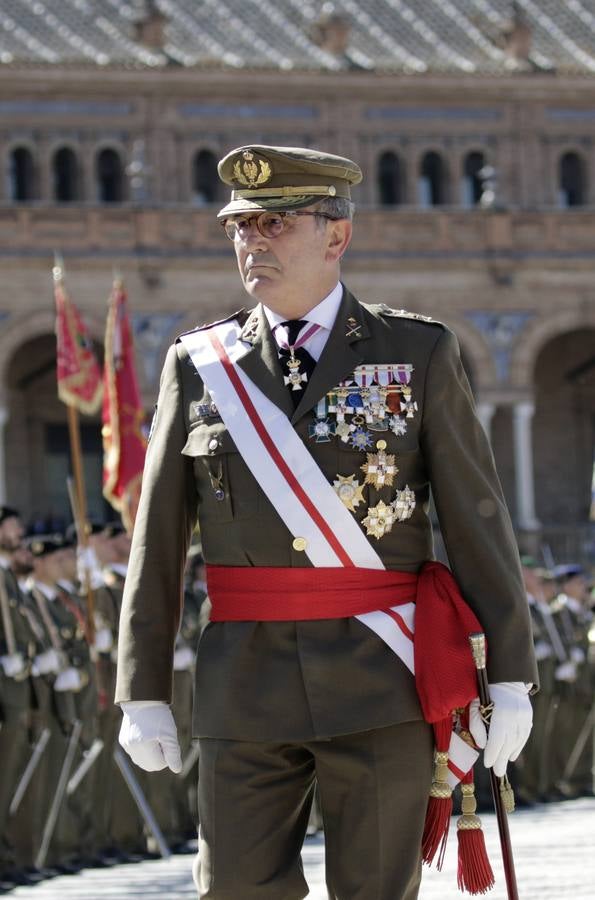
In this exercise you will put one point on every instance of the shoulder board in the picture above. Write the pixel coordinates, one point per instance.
(241, 315)
(385, 310)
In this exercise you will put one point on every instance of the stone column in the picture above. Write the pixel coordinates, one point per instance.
(522, 418)
(485, 414)
(3, 421)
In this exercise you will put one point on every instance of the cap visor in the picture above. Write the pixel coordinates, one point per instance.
(265, 204)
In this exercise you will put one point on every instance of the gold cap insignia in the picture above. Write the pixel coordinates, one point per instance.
(253, 171)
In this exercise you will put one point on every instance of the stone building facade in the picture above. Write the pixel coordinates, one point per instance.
(114, 165)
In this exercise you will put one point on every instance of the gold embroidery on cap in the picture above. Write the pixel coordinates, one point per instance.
(251, 172)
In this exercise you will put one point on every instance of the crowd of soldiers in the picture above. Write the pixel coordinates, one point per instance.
(69, 799)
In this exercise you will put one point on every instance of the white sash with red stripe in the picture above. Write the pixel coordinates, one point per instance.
(296, 487)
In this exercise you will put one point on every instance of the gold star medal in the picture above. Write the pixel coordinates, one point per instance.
(379, 520)
(349, 491)
(380, 469)
(403, 504)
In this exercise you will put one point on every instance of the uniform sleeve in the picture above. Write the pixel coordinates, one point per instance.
(473, 517)
(153, 593)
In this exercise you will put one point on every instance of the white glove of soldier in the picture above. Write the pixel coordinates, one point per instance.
(86, 561)
(149, 735)
(510, 724)
(13, 664)
(47, 662)
(183, 659)
(104, 640)
(566, 671)
(68, 680)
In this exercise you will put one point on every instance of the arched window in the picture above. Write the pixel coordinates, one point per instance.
(21, 175)
(65, 171)
(205, 180)
(390, 179)
(572, 181)
(432, 180)
(472, 186)
(109, 177)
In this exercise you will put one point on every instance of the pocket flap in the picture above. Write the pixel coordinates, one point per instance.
(209, 440)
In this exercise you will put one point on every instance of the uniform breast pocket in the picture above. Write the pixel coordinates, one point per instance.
(226, 488)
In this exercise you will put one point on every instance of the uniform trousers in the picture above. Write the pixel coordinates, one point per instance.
(254, 803)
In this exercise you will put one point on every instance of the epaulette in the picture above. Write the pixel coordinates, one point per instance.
(241, 315)
(385, 310)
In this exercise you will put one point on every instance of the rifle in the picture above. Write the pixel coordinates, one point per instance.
(90, 756)
(141, 802)
(27, 775)
(579, 744)
(52, 818)
(478, 648)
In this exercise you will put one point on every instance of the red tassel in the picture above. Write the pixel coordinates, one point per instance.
(439, 809)
(474, 873)
(474, 870)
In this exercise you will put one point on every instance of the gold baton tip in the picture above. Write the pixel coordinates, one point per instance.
(478, 649)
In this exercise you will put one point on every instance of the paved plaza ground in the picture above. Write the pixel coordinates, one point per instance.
(554, 852)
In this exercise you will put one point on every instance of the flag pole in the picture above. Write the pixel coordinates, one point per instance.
(79, 505)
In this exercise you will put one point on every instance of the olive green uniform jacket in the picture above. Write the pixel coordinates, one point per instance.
(314, 679)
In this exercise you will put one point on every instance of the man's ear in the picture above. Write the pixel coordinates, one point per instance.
(338, 239)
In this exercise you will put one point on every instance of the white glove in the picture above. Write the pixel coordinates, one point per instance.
(577, 655)
(13, 664)
(104, 640)
(47, 662)
(183, 659)
(510, 724)
(149, 735)
(566, 671)
(86, 561)
(68, 680)
(542, 650)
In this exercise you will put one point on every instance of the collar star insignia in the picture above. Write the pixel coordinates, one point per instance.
(349, 491)
(379, 521)
(380, 469)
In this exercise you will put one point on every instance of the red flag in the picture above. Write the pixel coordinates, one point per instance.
(124, 443)
(79, 375)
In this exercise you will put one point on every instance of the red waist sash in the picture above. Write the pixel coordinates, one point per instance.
(246, 593)
(445, 674)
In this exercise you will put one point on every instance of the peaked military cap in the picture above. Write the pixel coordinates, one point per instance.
(7, 512)
(278, 178)
(44, 544)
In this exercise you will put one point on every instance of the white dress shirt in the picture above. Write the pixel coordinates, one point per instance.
(323, 314)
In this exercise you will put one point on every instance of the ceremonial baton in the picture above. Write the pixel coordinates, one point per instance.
(478, 649)
(189, 762)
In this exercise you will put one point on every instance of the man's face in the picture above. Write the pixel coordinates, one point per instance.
(11, 534)
(297, 268)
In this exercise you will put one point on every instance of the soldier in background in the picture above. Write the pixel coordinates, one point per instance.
(17, 652)
(574, 618)
(534, 778)
(66, 628)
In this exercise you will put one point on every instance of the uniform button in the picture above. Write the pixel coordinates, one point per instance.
(300, 543)
(213, 444)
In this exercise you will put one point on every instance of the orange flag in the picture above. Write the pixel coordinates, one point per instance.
(79, 374)
(124, 443)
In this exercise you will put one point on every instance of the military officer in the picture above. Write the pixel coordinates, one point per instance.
(306, 434)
